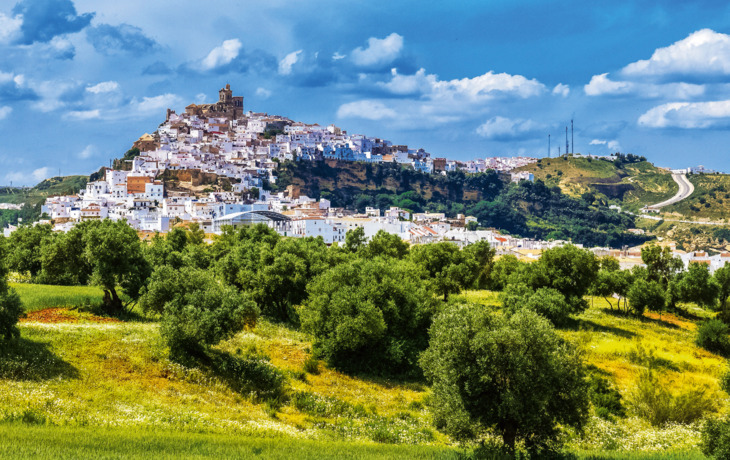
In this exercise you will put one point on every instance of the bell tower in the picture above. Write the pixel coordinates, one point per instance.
(225, 95)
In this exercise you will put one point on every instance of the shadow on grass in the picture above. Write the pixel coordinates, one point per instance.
(24, 359)
(251, 376)
(587, 325)
(659, 322)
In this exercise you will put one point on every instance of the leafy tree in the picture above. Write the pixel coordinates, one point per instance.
(712, 335)
(483, 253)
(567, 269)
(24, 245)
(503, 269)
(385, 244)
(10, 305)
(449, 268)
(114, 253)
(197, 311)
(722, 278)
(646, 295)
(610, 282)
(661, 265)
(513, 375)
(355, 239)
(716, 438)
(697, 285)
(546, 302)
(62, 258)
(370, 315)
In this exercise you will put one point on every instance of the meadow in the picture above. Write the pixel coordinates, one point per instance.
(99, 388)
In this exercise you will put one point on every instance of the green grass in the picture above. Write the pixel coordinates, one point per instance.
(677, 455)
(43, 442)
(89, 389)
(40, 296)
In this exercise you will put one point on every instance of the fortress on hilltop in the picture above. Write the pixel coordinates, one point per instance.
(228, 106)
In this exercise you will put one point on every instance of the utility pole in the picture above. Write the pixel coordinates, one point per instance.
(548, 145)
(567, 147)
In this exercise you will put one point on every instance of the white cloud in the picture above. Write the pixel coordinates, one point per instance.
(337, 56)
(285, 65)
(561, 90)
(367, 109)
(688, 115)
(200, 98)
(9, 27)
(501, 128)
(379, 51)
(222, 55)
(40, 173)
(155, 104)
(83, 114)
(417, 83)
(103, 87)
(263, 93)
(88, 152)
(602, 85)
(612, 145)
(704, 52)
(474, 90)
(5, 111)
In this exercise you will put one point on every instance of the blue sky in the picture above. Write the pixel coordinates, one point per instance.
(81, 80)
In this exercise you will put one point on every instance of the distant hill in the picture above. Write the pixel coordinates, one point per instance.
(632, 185)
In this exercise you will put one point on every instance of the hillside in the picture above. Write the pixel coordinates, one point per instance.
(709, 201)
(64, 185)
(77, 371)
(632, 185)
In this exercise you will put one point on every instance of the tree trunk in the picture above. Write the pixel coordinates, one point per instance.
(112, 302)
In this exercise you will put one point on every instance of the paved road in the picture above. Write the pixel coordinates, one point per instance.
(685, 189)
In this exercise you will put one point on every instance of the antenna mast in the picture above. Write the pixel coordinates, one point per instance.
(567, 147)
(572, 141)
(548, 145)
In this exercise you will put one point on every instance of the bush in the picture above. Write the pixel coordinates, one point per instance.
(311, 365)
(546, 302)
(651, 401)
(716, 438)
(645, 295)
(10, 305)
(197, 311)
(712, 335)
(605, 398)
(370, 316)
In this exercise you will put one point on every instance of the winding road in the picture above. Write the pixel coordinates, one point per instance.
(685, 189)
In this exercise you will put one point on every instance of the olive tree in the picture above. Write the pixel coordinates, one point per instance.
(514, 375)
(370, 315)
(114, 253)
(10, 305)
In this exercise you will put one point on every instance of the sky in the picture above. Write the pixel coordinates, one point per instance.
(81, 80)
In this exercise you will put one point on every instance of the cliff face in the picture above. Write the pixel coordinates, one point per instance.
(340, 181)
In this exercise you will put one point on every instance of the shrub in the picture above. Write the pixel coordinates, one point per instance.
(197, 311)
(712, 335)
(370, 316)
(546, 302)
(645, 295)
(605, 398)
(10, 305)
(651, 401)
(716, 438)
(311, 365)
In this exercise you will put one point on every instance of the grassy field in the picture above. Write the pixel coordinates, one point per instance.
(68, 385)
(23, 441)
(39, 296)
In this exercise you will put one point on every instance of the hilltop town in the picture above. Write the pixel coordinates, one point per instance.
(221, 144)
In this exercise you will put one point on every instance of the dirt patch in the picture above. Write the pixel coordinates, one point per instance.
(64, 315)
